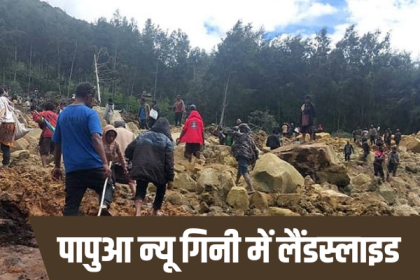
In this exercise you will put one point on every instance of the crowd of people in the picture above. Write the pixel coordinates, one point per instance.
(114, 154)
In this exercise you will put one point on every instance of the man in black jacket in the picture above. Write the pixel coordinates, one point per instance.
(152, 156)
(273, 141)
(307, 119)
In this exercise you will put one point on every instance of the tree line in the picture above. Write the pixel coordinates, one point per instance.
(358, 81)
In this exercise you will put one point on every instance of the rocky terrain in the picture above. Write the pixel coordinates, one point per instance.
(294, 180)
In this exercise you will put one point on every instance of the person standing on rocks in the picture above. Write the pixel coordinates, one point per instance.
(144, 112)
(193, 135)
(307, 119)
(179, 109)
(7, 128)
(398, 137)
(378, 163)
(366, 150)
(245, 152)
(46, 146)
(348, 150)
(372, 134)
(78, 136)
(152, 155)
(393, 162)
(273, 141)
(113, 154)
(154, 113)
(109, 111)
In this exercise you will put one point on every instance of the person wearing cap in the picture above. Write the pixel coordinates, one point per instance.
(245, 152)
(179, 108)
(78, 137)
(307, 119)
(393, 162)
(238, 122)
(192, 134)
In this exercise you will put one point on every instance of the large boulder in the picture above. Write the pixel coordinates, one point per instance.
(259, 200)
(411, 143)
(272, 174)
(184, 181)
(316, 160)
(219, 154)
(361, 180)
(323, 135)
(238, 198)
(210, 179)
(387, 193)
(334, 198)
(101, 113)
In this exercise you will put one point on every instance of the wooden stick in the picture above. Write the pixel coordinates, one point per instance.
(103, 193)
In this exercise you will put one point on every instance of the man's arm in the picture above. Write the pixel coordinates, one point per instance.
(169, 162)
(121, 157)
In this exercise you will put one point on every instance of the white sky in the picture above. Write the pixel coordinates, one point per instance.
(402, 17)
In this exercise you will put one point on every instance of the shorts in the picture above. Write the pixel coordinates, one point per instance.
(192, 149)
(46, 147)
(242, 165)
(306, 129)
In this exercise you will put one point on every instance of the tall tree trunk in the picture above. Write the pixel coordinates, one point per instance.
(95, 61)
(222, 116)
(72, 65)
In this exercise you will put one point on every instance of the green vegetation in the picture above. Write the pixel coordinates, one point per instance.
(359, 81)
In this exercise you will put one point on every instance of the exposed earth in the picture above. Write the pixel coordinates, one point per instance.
(294, 180)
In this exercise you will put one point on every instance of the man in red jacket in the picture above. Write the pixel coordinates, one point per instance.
(192, 134)
(46, 146)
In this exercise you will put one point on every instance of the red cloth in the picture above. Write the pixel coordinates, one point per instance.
(51, 117)
(193, 129)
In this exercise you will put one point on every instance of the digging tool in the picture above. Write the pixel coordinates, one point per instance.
(103, 193)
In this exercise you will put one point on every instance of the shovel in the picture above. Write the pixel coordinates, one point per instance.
(103, 192)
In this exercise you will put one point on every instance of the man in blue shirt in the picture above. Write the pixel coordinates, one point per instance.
(144, 113)
(78, 137)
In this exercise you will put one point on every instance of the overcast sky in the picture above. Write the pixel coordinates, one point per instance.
(206, 22)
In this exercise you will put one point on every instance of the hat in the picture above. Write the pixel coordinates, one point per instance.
(193, 107)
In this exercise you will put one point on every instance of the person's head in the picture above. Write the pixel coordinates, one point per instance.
(398, 130)
(381, 149)
(307, 99)
(85, 92)
(49, 106)
(110, 136)
(348, 142)
(371, 126)
(110, 100)
(178, 97)
(142, 101)
(238, 121)
(193, 107)
(119, 124)
(244, 128)
(394, 149)
(154, 102)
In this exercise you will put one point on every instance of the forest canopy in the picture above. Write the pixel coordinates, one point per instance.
(358, 81)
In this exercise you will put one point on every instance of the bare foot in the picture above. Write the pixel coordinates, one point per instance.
(139, 204)
(156, 213)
